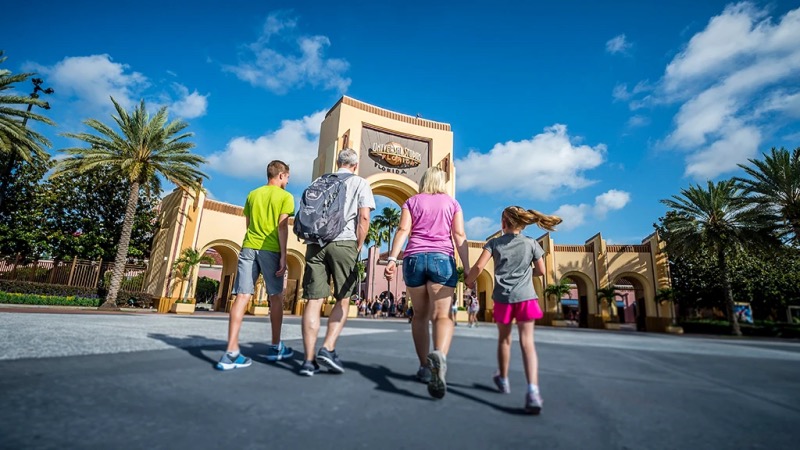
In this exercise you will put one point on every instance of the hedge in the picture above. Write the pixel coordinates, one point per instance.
(32, 299)
(140, 299)
(759, 328)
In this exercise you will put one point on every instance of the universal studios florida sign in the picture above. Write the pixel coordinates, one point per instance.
(392, 153)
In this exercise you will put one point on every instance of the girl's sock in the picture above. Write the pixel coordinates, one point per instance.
(533, 388)
(233, 355)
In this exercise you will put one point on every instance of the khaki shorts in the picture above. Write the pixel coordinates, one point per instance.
(335, 260)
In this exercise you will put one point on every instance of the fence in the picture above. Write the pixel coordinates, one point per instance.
(78, 272)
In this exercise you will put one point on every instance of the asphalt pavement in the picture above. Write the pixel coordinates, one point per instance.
(132, 380)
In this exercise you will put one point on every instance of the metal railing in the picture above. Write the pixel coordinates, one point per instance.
(77, 272)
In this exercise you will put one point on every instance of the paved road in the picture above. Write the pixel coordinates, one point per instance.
(146, 381)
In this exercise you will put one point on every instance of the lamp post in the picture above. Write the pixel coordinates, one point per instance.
(11, 162)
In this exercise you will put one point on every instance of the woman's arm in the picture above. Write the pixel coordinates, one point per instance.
(397, 243)
(460, 239)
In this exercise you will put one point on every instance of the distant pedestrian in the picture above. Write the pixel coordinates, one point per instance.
(473, 306)
(435, 222)
(266, 213)
(517, 259)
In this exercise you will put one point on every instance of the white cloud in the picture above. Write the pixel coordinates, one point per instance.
(304, 63)
(638, 121)
(86, 84)
(610, 201)
(575, 215)
(294, 143)
(536, 168)
(91, 80)
(478, 228)
(618, 44)
(189, 105)
(732, 83)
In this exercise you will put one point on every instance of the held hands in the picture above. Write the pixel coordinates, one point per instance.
(389, 271)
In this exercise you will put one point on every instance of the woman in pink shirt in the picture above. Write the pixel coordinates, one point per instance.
(434, 221)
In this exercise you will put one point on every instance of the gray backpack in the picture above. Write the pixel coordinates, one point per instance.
(320, 217)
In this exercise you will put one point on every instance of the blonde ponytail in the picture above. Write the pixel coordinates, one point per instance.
(518, 217)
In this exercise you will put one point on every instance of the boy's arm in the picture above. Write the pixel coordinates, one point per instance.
(283, 236)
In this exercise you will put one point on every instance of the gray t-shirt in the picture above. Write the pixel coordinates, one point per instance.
(513, 255)
(358, 195)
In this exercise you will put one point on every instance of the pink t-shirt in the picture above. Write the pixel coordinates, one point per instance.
(431, 221)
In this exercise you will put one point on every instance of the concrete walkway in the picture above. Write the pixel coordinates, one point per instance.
(147, 380)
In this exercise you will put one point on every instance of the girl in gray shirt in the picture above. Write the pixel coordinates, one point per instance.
(517, 259)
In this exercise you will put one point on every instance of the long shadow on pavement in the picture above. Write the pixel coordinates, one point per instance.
(482, 387)
(382, 375)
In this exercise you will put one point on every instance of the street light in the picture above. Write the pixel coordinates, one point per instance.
(37, 87)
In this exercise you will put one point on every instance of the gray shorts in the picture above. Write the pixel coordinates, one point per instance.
(251, 263)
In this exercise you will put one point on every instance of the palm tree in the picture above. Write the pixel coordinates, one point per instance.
(389, 219)
(558, 290)
(721, 220)
(775, 183)
(184, 267)
(609, 294)
(146, 149)
(18, 142)
(376, 235)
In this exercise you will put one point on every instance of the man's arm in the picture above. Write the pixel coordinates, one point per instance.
(283, 236)
(362, 227)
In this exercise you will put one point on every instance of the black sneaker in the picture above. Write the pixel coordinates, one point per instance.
(330, 360)
(309, 368)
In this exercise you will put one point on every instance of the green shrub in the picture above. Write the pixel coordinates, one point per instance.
(761, 328)
(139, 299)
(32, 299)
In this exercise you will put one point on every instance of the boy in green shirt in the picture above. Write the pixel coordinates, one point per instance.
(267, 211)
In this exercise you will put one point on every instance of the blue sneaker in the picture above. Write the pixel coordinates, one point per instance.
(279, 352)
(226, 363)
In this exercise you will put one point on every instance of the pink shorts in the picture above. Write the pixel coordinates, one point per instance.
(525, 311)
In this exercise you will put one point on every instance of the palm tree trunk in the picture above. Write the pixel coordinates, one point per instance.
(122, 248)
(188, 287)
(728, 290)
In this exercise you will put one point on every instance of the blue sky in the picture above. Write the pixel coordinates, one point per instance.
(590, 111)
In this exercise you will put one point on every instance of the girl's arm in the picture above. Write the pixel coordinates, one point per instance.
(538, 267)
(399, 240)
(477, 268)
(460, 238)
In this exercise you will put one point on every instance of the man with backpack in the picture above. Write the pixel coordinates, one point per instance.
(333, 219)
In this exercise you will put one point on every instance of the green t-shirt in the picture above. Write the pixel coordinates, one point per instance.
(264, 206)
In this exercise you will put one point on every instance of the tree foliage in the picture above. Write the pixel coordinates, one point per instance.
(144, 150)
(719, 222)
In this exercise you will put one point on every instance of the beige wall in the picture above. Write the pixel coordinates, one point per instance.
(189, 220)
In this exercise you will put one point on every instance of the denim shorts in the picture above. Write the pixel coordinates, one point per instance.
(251, 263)
(439, 268)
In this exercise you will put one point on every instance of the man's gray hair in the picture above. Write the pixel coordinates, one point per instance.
(347, 158)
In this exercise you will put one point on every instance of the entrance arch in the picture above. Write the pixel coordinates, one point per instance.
(485, 286)
(643, 296)
(229, 251)
(393, 187)
(295, 262)
(585, 294)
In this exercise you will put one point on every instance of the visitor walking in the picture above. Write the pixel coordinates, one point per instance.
(335, 259)
(432, 221)
(266, 211)
(517, 259)
(473, 306)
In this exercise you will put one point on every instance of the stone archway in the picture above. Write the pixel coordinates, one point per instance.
(585, 293)
(294, 277)
(229, 251)
(631, 284)
(485, 286)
